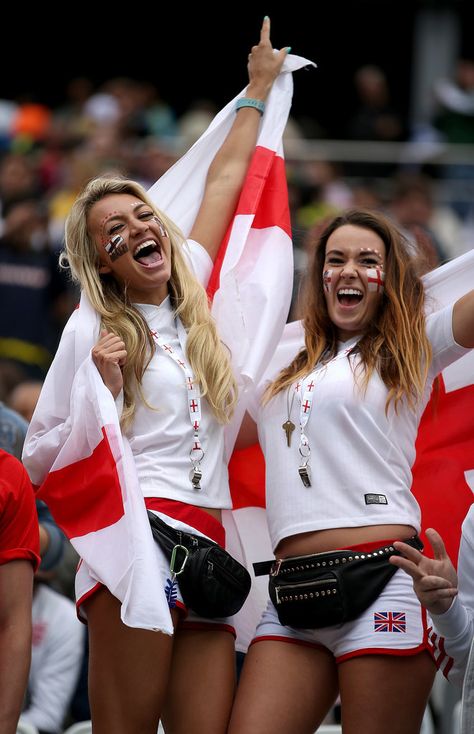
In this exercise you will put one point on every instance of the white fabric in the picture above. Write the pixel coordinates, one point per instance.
(161, 435)
(56, 656)
(356, 449)
(73, 409)
(257, 272)
(456, 625)
(467, 710)
(199, 260)
(359, 636)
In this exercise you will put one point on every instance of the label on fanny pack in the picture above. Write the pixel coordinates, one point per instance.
(375, 499)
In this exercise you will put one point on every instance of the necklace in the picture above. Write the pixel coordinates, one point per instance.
(288, 426)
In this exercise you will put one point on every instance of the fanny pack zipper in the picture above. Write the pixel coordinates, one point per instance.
(306, 584)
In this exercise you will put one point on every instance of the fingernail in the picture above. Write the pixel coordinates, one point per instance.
(266, 18)
(288, 49)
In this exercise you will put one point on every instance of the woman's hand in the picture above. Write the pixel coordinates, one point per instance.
(109, 356)
(434, 579)
(264, 65)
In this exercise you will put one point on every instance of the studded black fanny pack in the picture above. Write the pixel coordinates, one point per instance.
(330, 588)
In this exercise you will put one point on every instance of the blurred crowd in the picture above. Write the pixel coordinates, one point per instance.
(46, 155)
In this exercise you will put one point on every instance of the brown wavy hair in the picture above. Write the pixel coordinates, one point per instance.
(395, 342)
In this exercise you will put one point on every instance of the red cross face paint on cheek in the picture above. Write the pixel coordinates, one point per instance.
(116, 247)
(327, 280)
(375, 280)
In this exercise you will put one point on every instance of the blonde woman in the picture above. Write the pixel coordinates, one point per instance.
(158, 347)
(337, 427)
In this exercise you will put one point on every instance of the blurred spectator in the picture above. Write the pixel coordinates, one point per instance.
(152, 159)
(18, 181)
(12, 436)
(12, 431)
(78, 167)
(35, 300)
(375, 117)
(160, 118)
(10, 376)
(70, 120)
(413, 208)
(57, 652)
(30, 124)
(455, 116)
(454, 121)
(195, 120)
(366, 195)
(24, 396)
(19, 548)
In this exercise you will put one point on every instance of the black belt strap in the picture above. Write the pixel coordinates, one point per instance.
(263, 568)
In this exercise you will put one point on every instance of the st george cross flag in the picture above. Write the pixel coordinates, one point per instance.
(74, 450)
(443, 473)
(252, 279)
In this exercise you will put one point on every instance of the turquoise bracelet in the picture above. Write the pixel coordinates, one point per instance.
(257, 104)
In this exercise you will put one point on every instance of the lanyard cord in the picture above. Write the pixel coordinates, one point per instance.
(193, 398)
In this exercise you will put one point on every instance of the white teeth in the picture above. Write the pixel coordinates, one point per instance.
(349, 292)
(148, 243)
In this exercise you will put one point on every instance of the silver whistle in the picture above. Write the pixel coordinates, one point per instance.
(195, 475)
(305, 474)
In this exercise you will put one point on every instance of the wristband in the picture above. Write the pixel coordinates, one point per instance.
(257, 104)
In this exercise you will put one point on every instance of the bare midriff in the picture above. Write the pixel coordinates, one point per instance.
(211, 511)
(319, 541)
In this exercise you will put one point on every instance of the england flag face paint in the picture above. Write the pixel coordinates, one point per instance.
(161, 226)
(353, 278)
(116, 247)
(375, 280)
(327, 280)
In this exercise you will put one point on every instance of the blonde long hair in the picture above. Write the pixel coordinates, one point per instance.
(205, 352)
(395, 342)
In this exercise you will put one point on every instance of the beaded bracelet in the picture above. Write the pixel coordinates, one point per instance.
(257, 104)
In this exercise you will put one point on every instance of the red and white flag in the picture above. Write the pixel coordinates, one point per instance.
(74, 451)
(252, 279)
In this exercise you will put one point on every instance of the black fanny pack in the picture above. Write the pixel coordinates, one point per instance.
(210, 580)
(330, 588)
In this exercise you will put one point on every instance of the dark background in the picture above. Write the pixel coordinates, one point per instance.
(192, 52)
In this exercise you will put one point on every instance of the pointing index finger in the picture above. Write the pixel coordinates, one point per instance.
(265, 31)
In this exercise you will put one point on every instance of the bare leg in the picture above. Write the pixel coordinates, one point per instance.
(385, 693)
(284, 688)
(128, 670)
(202, 682)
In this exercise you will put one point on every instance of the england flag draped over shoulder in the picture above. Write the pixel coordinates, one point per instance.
(252, 278)
(74, 451)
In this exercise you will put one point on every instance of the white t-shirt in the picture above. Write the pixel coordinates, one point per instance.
(361, 458)
(161, 436)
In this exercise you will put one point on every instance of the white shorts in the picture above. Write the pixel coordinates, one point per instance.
(395, 624)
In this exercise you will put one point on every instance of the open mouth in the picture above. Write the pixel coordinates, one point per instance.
(349, 296)
(148, 253)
